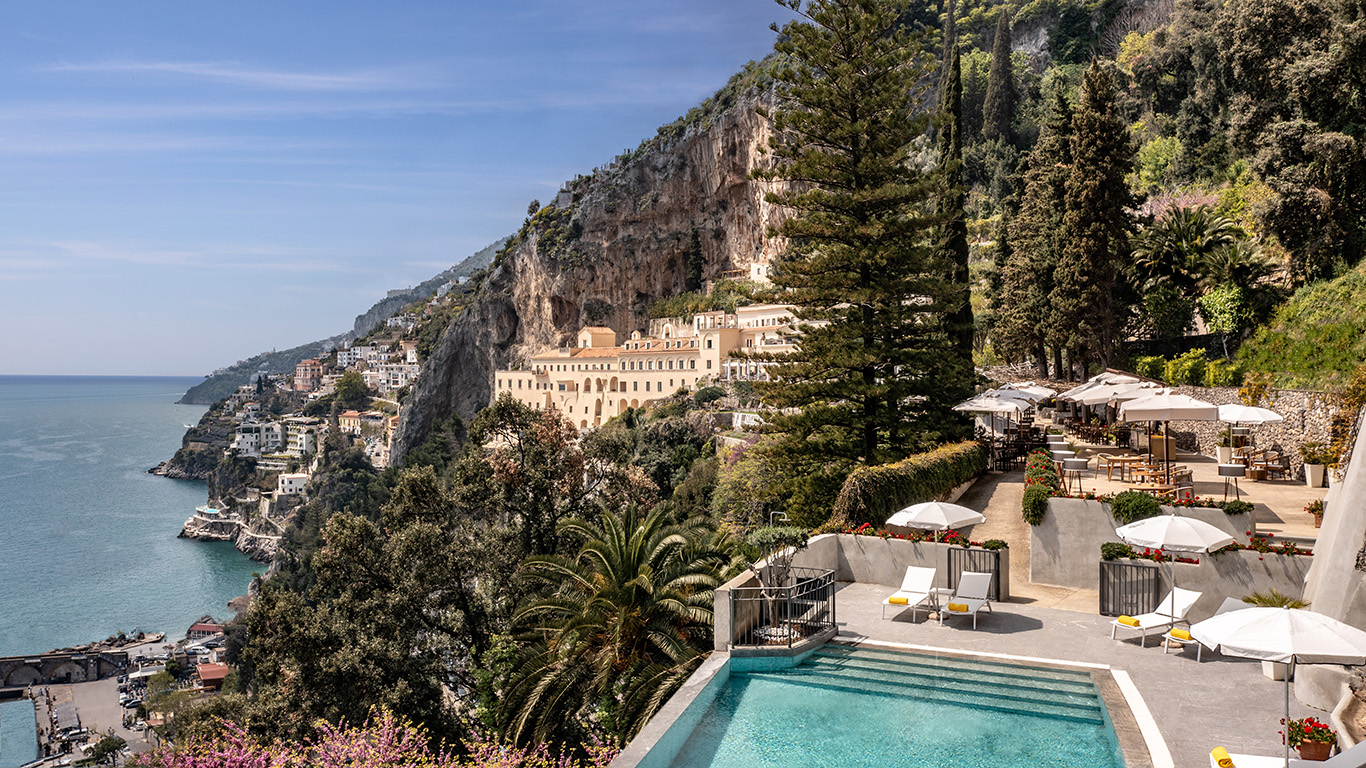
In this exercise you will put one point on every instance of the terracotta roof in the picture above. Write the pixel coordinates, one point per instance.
(598, 329)
(212, 672)
(204, 627)
(596, 352)
(350, 415)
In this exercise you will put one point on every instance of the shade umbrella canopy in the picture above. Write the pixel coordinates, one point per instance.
(988, 403)
(936, 516)
(1165, 405)
(1126, 390)
(1027, 390)
(1098, 379)
(1236, 413)
(1285, 635)
(1176, 534)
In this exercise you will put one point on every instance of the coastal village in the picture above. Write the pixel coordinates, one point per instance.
(802, 435)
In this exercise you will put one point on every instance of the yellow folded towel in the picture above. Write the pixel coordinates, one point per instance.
(957, 607)
(898, 601)
(1180, 634)
(1128, 621)
(1221, 757)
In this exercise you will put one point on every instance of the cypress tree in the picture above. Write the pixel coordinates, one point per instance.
(998, 110)
(1096, 225)
(696, 264)
(1027, 277)
(1001, 252)
(868, 383)
(953, 238)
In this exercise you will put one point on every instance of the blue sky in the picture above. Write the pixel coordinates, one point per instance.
(186, 184)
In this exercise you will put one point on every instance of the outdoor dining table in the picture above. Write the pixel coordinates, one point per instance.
(1124, 463)
(1158, 487)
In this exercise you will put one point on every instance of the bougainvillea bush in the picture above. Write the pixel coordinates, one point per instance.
(383, 742)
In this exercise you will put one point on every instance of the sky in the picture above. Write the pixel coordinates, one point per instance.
(184, 185)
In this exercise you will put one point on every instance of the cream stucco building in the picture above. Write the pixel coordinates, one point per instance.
(599, 378)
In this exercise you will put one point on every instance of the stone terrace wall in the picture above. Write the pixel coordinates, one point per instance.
(1308, 416)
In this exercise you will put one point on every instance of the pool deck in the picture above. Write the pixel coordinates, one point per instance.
(1219, 701)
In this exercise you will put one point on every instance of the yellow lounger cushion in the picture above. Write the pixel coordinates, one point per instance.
(1128, 621)
(1180, 634)
(1221, 757)
(898, 601)
(957, 607)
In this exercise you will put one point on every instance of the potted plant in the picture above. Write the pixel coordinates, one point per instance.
(1313, 739)
(1316, 458)
(1224, 450)
(1315, 508)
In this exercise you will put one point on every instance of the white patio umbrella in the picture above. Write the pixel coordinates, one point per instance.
(1027, 390)
(1236, 413)
(994, 403)
(1285, 635)
(936, 516)
(1165, 405)
(1094, 381)
(1125, 390)
(1175, 534)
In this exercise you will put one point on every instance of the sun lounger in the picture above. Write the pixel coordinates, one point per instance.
(971, 596)
(1170, 612)
(1229, 604)
(915, 590)
(1258, 761)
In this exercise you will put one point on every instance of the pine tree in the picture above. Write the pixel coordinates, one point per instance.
(998, 111)
(1027, 277)
(953, 238)
(1086, 318)
(875, 378)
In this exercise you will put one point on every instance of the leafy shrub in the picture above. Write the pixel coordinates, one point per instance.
(1317, 453)
(1186, 369)
(1150, 366)
(1221, 374)
(708, 394)
(994, 544)
(1035, 504)
(1236, 507)
(1115, 550)
(1274, 599)
(1132, 506)
(872, 494)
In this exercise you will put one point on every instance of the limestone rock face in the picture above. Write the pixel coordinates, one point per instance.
(634, 222)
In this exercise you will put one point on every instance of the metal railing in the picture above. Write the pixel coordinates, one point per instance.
(976, 561)
(783, 614)
(1128, 589)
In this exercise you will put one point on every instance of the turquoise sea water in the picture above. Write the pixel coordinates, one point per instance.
(88, 540)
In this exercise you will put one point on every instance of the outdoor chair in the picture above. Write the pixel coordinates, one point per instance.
(1229, 604)
(972, 595)
(1104, 461)
(916, 590)
(1277, 466)
(1170, 612)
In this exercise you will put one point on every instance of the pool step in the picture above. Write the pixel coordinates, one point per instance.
(987, 678)
(900, 690)
(964, 663)
(949, 681)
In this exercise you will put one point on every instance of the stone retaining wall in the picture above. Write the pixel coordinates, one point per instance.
(1308, 416)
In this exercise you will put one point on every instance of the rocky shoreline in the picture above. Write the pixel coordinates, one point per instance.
(230, 527)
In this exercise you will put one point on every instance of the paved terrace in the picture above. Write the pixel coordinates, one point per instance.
(1220, 701)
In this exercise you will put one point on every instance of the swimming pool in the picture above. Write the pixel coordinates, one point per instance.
(859, 708)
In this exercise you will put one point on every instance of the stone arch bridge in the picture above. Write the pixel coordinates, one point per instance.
(60, 667)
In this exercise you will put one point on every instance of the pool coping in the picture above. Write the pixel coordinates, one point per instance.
(1139, 739)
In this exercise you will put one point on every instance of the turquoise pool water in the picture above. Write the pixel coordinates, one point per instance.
(846, 708)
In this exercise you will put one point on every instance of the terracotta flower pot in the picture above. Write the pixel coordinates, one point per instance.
(1315, 750)
(1318, 521)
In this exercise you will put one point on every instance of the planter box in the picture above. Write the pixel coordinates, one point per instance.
(1225, 454)
(1313, 475)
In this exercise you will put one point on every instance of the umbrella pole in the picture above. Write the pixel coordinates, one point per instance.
(1286, 731)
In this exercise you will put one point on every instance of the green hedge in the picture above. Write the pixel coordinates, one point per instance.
(872, 494)
(1035, 504)
(1132, 506)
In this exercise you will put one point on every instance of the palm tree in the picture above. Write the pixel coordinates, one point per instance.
(1241, 263)
(624, 623)
(1174, 249)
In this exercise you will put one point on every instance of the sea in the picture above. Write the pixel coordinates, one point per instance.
(88, 542)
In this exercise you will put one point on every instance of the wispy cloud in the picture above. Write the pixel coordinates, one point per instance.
(235, 73)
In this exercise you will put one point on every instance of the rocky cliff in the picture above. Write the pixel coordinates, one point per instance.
(225, 381)
(610, 244)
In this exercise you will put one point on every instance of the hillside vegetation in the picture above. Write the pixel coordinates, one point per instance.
(1316, 338)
